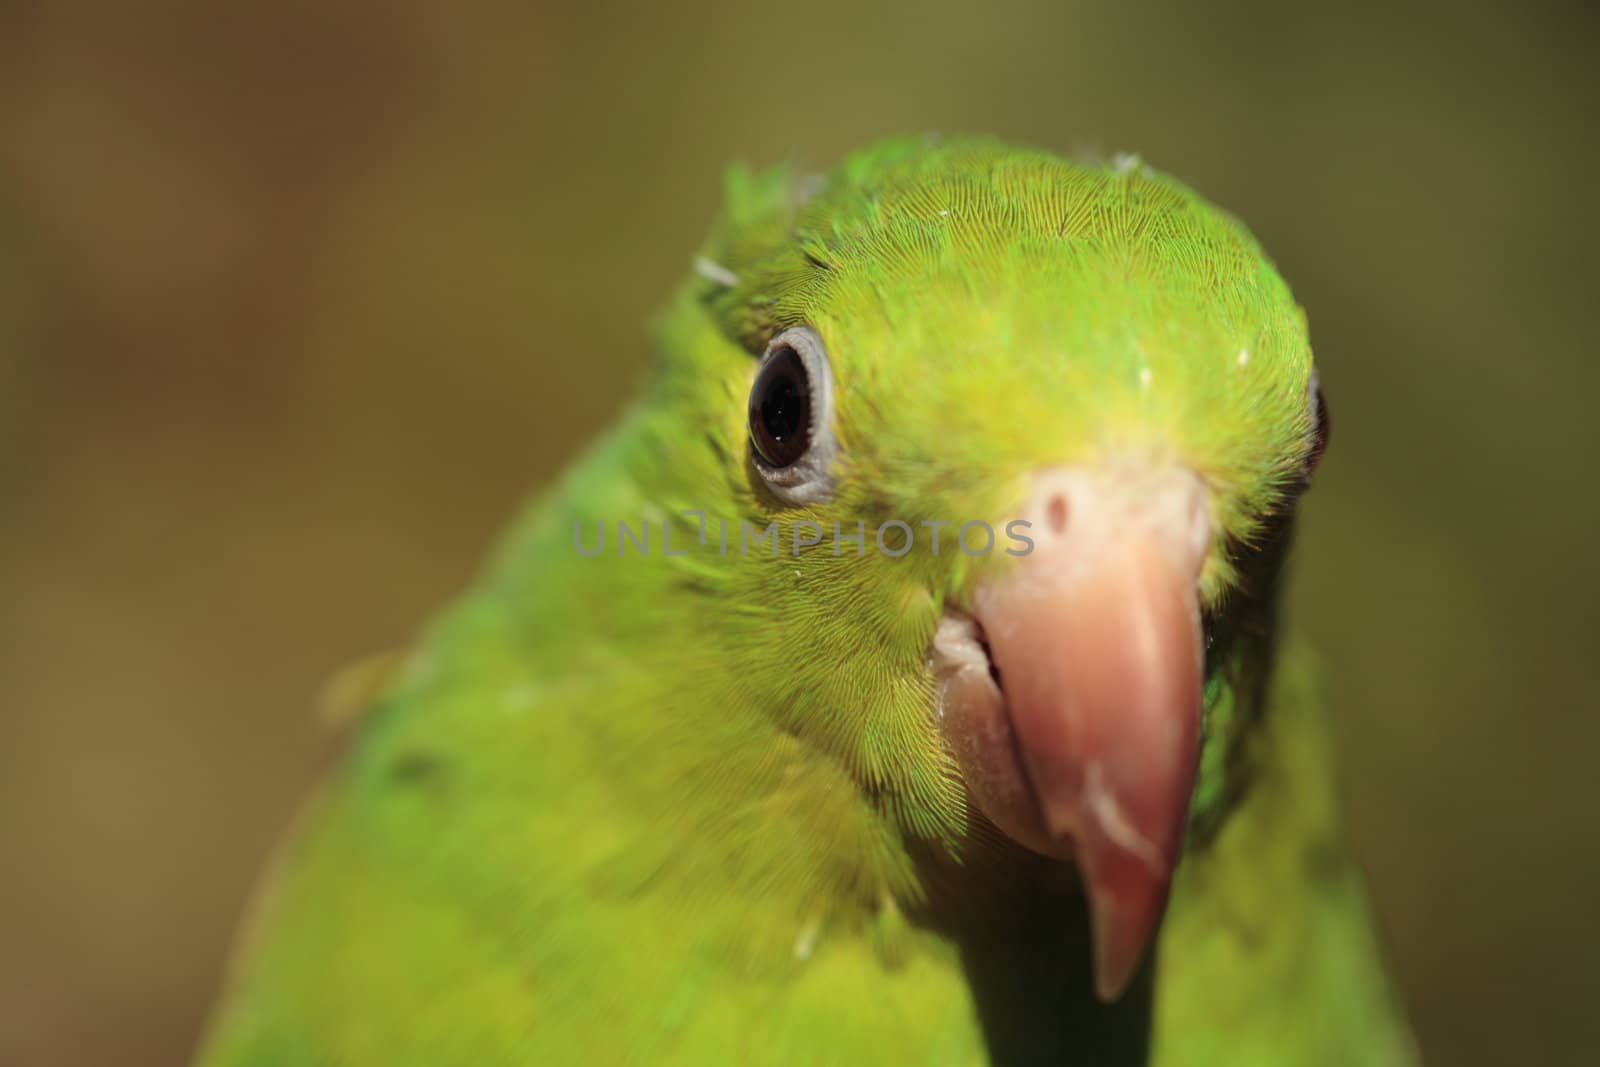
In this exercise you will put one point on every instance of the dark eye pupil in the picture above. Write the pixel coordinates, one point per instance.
(780, 409)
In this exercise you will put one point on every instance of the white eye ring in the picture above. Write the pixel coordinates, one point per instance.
(806, 478)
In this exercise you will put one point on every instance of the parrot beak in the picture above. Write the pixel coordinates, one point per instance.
(1072, 695)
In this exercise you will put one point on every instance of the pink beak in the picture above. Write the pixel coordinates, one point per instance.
(1087, 746)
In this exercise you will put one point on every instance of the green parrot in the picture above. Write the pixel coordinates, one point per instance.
(898, 682)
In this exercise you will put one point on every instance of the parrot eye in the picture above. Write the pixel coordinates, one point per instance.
(1320, 426)
(791, 412)
(780, 408)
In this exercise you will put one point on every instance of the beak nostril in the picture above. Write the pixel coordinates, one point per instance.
(1056, 514)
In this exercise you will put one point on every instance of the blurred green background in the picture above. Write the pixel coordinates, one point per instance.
(298, 300)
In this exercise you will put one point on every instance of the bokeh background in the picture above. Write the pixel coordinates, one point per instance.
(299, 299)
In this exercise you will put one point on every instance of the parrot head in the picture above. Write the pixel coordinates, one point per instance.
(1023, 425)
